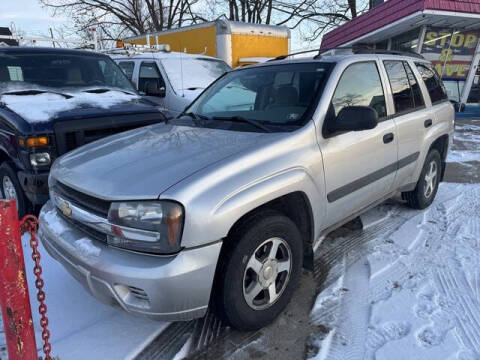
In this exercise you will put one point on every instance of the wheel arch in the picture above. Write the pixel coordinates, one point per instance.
(4, 156)
(297, 207)
(441, 145)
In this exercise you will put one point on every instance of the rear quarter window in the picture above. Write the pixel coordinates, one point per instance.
(434, 84)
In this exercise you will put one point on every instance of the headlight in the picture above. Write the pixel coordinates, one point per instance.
(146, 226)
(40, 159)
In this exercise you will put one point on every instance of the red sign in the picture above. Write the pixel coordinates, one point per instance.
(450, 51)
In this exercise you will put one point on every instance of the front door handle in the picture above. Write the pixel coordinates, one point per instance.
(428, 123)
(388, 138)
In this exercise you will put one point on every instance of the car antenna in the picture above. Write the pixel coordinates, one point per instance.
(181, 71)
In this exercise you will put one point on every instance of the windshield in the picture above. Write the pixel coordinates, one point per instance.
(56, 70)
(193, 73)
(276, 96)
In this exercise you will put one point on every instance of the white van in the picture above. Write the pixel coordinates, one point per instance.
(171, 79)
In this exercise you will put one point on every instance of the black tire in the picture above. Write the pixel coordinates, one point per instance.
(229, 301)
(418, 199)
(23, 205)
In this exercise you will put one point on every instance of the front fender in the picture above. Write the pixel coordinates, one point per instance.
(216, 223)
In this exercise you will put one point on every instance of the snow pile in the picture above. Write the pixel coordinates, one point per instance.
(45, 106)
(411, 288)
(466, 147)
(463, 156)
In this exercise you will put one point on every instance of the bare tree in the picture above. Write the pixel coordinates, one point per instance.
(119, 18)
(318, 16)
(313, 16)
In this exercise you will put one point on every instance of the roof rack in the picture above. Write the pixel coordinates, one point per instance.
(132, 49)
(368, 50)
(283, 57)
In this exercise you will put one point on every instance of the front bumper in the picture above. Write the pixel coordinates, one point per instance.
(163, 288)
(35, 186)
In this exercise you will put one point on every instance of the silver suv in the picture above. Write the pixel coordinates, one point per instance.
(223, 205)
(171, 79)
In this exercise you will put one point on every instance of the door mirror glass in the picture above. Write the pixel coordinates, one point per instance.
(356, 118)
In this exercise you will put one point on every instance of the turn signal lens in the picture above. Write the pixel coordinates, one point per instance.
(37, 141)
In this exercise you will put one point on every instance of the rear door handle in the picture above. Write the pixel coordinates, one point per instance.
(428, 123)
(388, 138)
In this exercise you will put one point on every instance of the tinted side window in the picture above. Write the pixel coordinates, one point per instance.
(402, 94)
(435, 86)
(127, 67)
(360, 85)
(417, 92)
(149, 72)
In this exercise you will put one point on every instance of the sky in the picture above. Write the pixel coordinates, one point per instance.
(34, 20)
(28, 16)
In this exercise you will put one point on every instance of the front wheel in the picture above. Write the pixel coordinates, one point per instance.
(427, 186)
(11, 189)
(259, 270)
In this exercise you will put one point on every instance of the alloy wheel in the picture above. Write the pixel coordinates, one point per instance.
(9, 189)
(430, 179)
(267, 273)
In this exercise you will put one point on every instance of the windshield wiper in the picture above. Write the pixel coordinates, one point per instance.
(104, 90)
(35, 92)
(195, 117)
(241, 119)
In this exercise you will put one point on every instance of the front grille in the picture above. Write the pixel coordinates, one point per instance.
(95, 234)
(74, 133)
(86, 202)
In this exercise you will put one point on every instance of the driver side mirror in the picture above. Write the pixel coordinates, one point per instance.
(152, 89)
(356, 118)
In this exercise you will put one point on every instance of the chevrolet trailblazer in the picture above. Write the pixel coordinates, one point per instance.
(223, 205)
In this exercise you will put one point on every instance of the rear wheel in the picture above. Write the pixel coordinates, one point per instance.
(11, 189)
(425, 191)
(259, 270)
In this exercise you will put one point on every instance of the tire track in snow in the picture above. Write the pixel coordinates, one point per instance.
(169, 342)
(453, 286)
(345, 309)
(333, 250)
(462, 295)
(410, 258)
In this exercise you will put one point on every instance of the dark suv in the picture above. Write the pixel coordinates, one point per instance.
(53, 101)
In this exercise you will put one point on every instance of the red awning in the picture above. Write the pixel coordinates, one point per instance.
(398, 16)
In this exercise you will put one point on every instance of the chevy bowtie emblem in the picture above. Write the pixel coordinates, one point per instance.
(65, 208)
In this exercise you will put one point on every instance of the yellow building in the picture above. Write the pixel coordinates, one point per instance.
(236, 43)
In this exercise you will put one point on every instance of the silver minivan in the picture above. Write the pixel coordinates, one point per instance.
(171, 79)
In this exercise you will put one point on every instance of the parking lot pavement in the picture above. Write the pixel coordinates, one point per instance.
(463, 162)
(301, 332)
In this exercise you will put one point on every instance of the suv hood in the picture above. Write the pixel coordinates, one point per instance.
(41, 110)
(143, 163)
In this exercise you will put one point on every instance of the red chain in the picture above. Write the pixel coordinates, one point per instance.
(30, 224)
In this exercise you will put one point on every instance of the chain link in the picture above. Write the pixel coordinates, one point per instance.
(30, 224)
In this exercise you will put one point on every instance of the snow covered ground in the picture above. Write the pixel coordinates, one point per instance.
(409, 286)
(80, 326)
